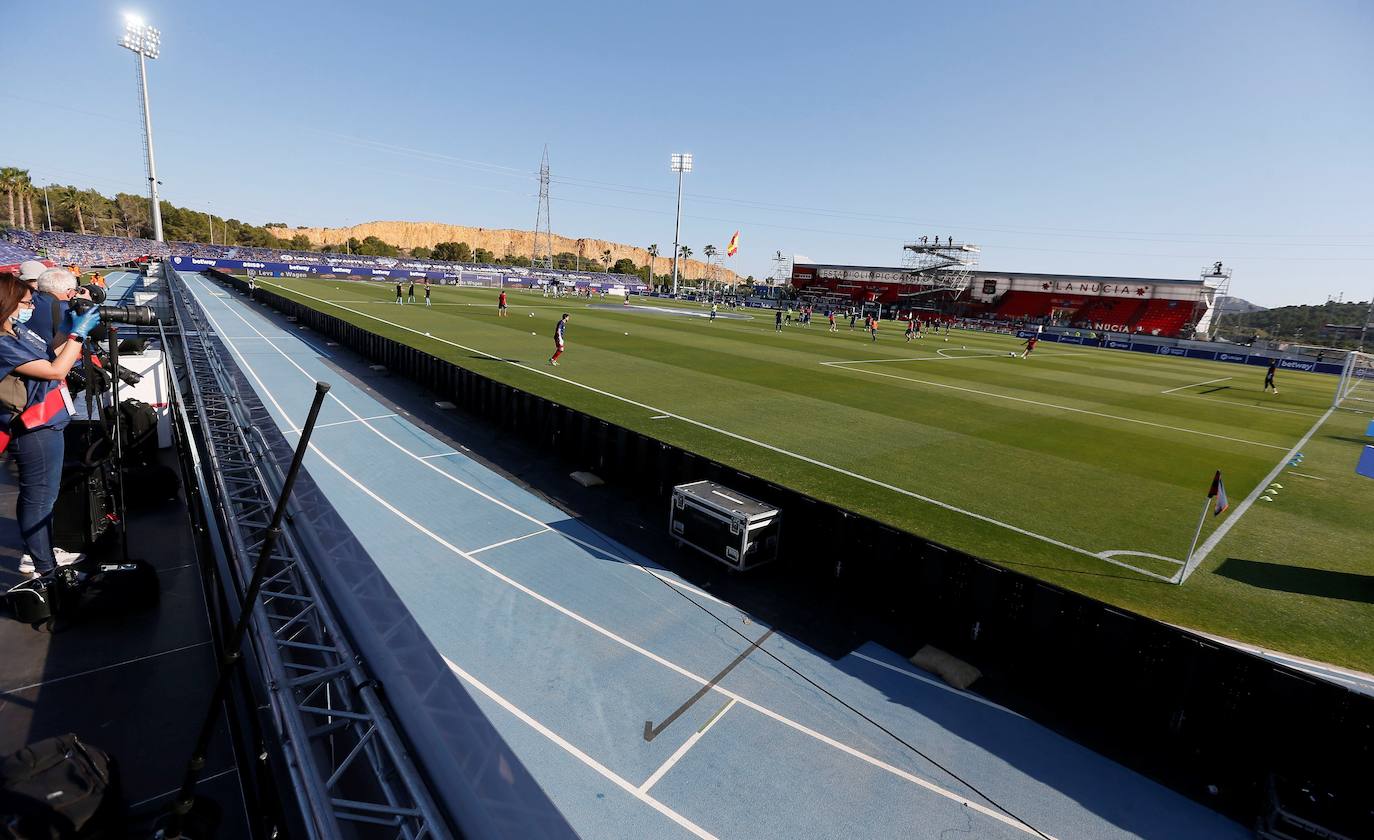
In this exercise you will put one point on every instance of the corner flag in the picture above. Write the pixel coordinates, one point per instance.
(1218, 491)
(733, 246)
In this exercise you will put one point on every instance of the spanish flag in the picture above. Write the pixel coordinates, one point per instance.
(733, 246)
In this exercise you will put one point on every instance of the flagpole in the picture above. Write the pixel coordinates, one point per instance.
(1183, 572)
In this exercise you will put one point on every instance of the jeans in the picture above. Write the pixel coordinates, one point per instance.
(39, 456)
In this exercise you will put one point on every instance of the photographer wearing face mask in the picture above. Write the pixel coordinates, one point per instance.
(59, 286)
(34, 409)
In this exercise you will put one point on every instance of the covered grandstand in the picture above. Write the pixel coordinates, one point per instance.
(1153, 306)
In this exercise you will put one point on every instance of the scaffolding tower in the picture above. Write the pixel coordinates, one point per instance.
(1208, 310)
(940, 265)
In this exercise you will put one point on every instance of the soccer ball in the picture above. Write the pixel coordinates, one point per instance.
(534, 333)
(946, 339)
(1013, 355)
(531, 314)
(627, 333)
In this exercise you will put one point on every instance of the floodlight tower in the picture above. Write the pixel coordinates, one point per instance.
(681, 163)
(145, 42)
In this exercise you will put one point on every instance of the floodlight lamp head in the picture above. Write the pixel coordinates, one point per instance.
(141, 38)
(682, 162)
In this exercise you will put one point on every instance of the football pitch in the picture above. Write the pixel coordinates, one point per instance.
(1084, 467)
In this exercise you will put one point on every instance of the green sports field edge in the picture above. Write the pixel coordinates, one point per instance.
(1061, 465)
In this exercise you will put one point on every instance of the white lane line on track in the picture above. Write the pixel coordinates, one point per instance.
(735, 436)
(563, 744)
(682, 750)
(509, 541)
(439, 455)
(1195, 384)
(1055, 406)
(1225, 527)
(341, 422)
(609, 634)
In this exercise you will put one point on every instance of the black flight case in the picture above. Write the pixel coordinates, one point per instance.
(729, 526)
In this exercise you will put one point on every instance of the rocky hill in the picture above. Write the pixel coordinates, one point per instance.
(407, 235)
(1236, 306)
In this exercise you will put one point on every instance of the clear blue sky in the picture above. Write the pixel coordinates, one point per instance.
(1141, 139)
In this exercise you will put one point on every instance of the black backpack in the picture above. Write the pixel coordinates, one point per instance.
(60, 789)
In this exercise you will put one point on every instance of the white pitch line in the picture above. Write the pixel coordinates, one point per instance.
(1195, 384)
(609, 634)
(1221, 531)
(1305, 475)
(736, 436)
(1058, 407)
(508, 542)
(1272, 408)
(566, 746)
(682, 750)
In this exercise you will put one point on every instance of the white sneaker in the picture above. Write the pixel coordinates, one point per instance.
(63, 557)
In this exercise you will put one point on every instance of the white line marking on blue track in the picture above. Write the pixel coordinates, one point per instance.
(609, 634)
(345, 422)
(1195, 384)
(563, 744)
(438, 455)
(509, 541)
(682, 750)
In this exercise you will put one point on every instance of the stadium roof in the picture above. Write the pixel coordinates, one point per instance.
(1012, 275)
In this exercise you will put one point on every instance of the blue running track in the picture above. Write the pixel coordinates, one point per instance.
(571, 643)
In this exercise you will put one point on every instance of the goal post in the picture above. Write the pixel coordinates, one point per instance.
(1357, 379)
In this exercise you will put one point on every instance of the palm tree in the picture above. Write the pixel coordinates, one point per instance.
(606, 258)
(24, 183)
(709, 251)
(9, 180)
(653, 252)
(76, 200)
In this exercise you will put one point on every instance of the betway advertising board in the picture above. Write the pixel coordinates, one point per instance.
(1121, 342)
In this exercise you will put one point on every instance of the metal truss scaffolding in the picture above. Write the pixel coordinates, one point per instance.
(940, 265)
(350, 768)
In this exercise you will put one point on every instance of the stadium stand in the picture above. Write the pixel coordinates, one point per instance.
(1163, 317)
(11, 255)
(1109, 313)
(93, 250)
(1028, 305)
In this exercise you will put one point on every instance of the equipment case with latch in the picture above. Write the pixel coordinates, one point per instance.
(733, 528)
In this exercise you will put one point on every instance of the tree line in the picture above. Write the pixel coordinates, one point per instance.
(1303, 324)
(72, 209)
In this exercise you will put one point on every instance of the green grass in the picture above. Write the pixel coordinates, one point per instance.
(1077, 446)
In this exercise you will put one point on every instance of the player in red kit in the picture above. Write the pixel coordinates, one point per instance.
(501, 305)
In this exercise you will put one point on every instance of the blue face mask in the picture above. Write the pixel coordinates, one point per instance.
(24, 314)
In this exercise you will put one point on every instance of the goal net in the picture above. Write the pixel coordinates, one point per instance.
(1357, 379)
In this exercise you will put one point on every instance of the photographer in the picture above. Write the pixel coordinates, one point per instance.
(34, 409)
(59, 285)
